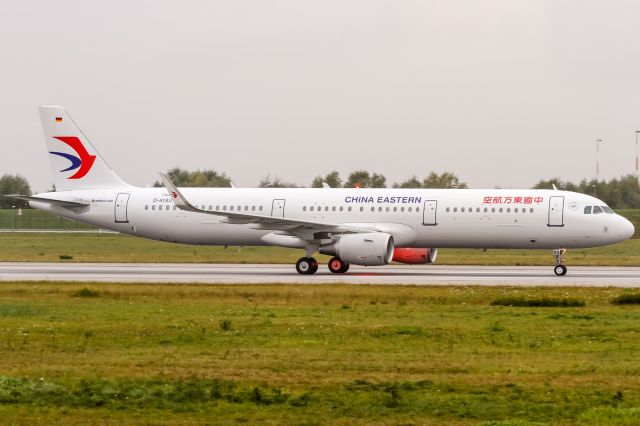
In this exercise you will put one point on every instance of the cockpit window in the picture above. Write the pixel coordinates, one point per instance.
(597, 210)
(587, 210)
(607, 210)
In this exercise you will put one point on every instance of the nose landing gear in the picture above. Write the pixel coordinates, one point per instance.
(559, 269)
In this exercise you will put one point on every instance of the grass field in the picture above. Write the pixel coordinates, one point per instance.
(315, 355)
(25, 247)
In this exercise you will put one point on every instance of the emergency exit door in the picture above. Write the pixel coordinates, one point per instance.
(277, 208)
(556, 211)
(122, 200)
(429, 213)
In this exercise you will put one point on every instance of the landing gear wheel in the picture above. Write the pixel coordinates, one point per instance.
(306, 265)
(314, 265)
(560, 270)
(338, 266)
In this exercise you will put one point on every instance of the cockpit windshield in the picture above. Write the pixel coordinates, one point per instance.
(598, 210)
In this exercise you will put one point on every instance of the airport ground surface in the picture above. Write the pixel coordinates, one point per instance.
(597, 276)
(101, 353)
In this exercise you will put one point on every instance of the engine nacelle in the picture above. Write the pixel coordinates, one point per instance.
(415, 256)
(370, 249)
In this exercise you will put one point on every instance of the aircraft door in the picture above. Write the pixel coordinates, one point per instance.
(429, 213)
(122, 200)
(277, 208)
(556, 211)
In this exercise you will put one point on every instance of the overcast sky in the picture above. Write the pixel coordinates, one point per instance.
(503, 93)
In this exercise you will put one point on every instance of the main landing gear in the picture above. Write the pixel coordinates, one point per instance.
(338, 266)
(559, 269)
(309, 266)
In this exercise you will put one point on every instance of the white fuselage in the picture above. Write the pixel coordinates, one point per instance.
(482, 218)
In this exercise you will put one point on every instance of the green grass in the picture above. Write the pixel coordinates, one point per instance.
(36, 219)
(328, 354)
(27, 247)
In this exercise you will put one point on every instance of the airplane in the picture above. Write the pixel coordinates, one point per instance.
(367, 227)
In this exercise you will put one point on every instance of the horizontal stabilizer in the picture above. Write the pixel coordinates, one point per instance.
(56, 202)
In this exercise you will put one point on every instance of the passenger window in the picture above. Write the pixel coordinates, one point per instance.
(531, 210)
(409, 209)
(361, 208)
(210, 207)
(401, 209)
(349, 208)
(231, 208)
(239, 208)
(224, 208)
(333, 209)
(341, 208)
(477, 209)
(500, 209)
(597, 210)
(508, 209)
(417, 209)
(373, 208)
(174, 207)
(326, 208)
(311, 208)
(253, 208)
(587, 210)
(462, 209)
(515, 210)
(486, 209)
(146, 207)
(455, 209)
(470, 209)
(380, 208)
(447, 209)
(260, 208)
(387, 209)
(245, 208)
(153, 207)
(304, 208)
(493, 209)
(395, 209)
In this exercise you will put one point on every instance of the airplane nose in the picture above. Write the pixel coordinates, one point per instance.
(627, 228)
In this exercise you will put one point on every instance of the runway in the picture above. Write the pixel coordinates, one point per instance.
(263, 274)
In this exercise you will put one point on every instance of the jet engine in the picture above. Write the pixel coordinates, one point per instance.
(415, 256)
(369, 249)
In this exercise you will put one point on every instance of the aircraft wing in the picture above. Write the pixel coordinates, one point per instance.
(260, 221)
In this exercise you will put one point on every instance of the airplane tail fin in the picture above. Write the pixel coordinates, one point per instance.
(75, 163)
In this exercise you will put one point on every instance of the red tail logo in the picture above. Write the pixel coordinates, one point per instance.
(83, 162)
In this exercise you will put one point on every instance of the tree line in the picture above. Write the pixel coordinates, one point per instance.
(620, 193)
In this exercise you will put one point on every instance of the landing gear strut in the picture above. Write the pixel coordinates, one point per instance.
(307, 265)
(338, 266)
(559, 269)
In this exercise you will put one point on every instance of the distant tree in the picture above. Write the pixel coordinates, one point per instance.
(198, 178)
(332, 179)
(412, 182)
(275, 182)
(445, 180)
(363, 179)
(560, 184)
(622, 193)
(13, 184)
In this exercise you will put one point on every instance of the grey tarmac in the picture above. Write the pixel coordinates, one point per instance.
(594, 276)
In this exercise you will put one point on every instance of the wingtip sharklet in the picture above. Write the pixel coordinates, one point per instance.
(178, 199)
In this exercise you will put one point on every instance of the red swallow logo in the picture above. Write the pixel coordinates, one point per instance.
(83, 162)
